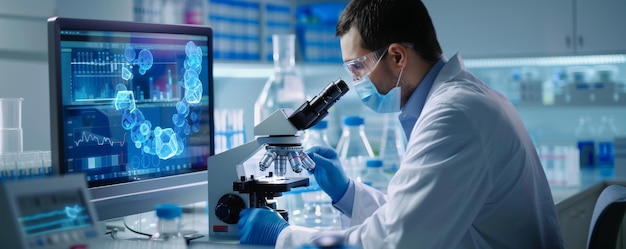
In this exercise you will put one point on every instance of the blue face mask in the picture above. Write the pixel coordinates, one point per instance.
(381, 103)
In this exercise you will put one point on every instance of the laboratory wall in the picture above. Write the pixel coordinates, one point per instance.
(562, 63)
(549, 119)
(24, 65)
(24, 55)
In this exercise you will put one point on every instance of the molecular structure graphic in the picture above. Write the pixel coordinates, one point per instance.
(162, 142)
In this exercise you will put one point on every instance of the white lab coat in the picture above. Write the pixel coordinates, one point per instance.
(470, 178)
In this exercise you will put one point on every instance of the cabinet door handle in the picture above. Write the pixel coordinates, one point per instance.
(581, 41)
(568, 42)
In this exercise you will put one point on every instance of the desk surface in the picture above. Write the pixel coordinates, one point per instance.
(589, 178)
(143, 244)
(145, 223)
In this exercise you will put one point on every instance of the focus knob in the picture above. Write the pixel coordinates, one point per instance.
(228, 208)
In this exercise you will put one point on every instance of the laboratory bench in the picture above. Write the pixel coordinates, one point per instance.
(130, 231)
(143, 244)
(574, 204)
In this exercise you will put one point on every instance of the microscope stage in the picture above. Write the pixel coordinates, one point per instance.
(270, 185)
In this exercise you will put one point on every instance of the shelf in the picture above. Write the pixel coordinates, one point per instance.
(229, 69)
(545, 61)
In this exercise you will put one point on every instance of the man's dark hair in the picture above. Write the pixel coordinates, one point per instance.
(382, 22)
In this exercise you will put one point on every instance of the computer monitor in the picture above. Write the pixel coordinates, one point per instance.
(131, 107)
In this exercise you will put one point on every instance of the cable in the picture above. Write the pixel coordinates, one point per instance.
(132, 230)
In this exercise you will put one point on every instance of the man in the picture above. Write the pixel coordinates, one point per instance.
(470, 177)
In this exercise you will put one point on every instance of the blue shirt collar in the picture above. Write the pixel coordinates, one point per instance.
(413, 107)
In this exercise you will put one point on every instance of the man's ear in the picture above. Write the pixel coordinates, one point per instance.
(399, 54)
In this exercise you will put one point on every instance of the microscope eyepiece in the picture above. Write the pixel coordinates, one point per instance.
(311, 112)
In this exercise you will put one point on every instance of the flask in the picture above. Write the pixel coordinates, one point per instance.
(585, 134)
(285, 88)
(168, 233)
(393, 143)
(353, 147)
(374, 175)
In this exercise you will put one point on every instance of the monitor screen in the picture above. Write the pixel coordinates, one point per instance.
(131, 108)
(53, 212)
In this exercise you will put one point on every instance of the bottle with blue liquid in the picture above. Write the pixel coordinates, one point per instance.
(585, 135)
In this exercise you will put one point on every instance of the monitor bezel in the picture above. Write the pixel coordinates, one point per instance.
(122, 199)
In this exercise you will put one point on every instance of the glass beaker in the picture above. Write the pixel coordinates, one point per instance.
(11, 135)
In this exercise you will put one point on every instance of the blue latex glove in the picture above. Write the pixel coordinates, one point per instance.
(260, 226)
(328, 171)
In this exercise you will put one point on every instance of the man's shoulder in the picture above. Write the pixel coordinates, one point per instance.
(465, 93)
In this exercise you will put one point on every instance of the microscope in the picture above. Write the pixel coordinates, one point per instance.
(230, 190)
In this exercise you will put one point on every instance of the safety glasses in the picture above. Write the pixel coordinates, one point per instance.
(363, 65)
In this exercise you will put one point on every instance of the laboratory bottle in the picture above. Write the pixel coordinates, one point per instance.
(604, 146)
(194, 10)
(318, 211)
(515, 89)
(168, 231)
(171, 12)
(585, 135)
(531, 86)
(392, 143)
(374, 175)
(561, 87)
(353, 147)
(547, 92)
(285, 87)
(317, 135)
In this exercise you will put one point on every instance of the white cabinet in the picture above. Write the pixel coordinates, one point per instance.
(600, 26)
(23, 22)
(121, 10)
(492, 28)
(23, 27)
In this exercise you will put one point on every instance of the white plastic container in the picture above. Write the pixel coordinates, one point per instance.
(353, 147)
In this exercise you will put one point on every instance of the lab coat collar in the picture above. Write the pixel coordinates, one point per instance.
(414, 105)
(452, 68)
